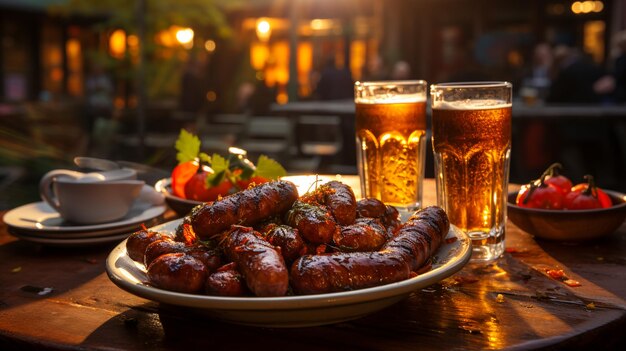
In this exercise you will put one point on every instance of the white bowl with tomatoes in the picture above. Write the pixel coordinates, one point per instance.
(552, 208)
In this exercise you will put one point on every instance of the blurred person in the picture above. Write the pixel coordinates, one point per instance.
(537, 82)
(619, 70)
(573, 77)
(334, 83)
(376, 69)
(192, 94)
(401, 71)
(100, 125)
(99, 95)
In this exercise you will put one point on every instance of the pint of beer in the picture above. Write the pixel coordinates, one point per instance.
(391, 141)
(472, 148)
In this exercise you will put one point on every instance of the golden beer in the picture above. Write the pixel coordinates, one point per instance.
(391, 148)
(472, 147)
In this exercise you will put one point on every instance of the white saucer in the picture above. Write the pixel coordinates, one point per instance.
(83, 234)
(40, 217)
(71, 242)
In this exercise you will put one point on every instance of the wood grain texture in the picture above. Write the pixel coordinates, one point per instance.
(86, 310)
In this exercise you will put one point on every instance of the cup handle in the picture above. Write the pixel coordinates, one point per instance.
(45, 186)
(150, 195)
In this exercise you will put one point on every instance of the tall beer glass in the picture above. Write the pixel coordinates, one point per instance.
(391, 142)
(472, 147)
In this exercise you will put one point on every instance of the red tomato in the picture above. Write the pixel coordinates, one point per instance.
(554, 177)
(243, 184)
(586, 196)
(181, 174)
(196, 188)
(560, 182)
(545, 196)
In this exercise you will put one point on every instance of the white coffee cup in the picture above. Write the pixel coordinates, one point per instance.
(91, 198)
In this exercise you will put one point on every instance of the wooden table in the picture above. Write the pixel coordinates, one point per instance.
(87, 311)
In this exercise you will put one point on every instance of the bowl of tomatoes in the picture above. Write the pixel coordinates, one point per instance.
(199, 178)
(553, 208)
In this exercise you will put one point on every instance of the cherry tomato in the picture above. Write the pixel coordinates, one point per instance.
(555, 178)
(540, 195)
(181, 174)
(197, 189)
(243, 184)
(586, 196)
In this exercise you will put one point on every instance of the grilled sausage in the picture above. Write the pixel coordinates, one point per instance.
(416, 240)
(246, 208)
(138, 241)
(338, 198)
(226, 281)
(260, 263)
(287, 238)
(370, 207)
(177, 272)
(366, 234)
(314, 222)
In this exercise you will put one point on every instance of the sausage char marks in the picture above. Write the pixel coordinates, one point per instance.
(314, 222)
(226, 281)
(258, 261)
(366, 234)
(415, 241)
(247, 207)
(338, 198)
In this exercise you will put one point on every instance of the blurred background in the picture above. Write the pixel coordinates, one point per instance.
(118, 79)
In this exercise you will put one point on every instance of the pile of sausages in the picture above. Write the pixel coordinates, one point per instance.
(268, 241)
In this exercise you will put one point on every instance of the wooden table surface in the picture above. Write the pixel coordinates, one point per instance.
(86, 310)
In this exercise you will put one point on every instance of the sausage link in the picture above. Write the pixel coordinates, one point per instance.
(420, 236)
(260, 263)
(370, 207)
(287, 238)
(227, 281)
(417, 239)
(177, 272)
(366, 234)
(246, 208)
(314, 222)
(341, 202)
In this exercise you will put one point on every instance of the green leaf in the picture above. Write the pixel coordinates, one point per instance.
(269, 168)
(188, 146)
(220, 166)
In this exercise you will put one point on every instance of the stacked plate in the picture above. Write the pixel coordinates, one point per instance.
(38, 222)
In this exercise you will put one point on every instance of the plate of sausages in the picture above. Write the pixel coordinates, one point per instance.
(268, 257)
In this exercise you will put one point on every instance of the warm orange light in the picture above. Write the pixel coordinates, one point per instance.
(117, 43)
(210, 45)
(259, 54)
(133, 41)
(263, 29)
(579, 7)
(185, 37)
(357, 58)
(211, 96)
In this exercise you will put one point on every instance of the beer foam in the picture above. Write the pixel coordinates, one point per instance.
(391, 99)
(477, 104)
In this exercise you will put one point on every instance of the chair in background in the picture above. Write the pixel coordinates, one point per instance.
(319, 140)
(267, 135)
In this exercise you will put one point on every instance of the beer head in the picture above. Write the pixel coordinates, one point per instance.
(471, 95)
(390, 92)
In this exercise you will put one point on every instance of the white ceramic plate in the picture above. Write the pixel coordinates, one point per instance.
(39, 216)
(288, 311)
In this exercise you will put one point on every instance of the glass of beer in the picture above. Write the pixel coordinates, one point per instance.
(471, 126)
(391, 141)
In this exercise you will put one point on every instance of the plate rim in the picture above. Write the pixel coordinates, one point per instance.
(300, 302)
